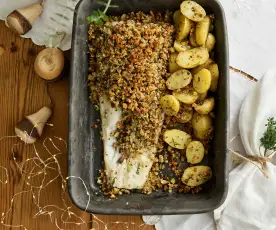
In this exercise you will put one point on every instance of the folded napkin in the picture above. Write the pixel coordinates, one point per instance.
(251, 200)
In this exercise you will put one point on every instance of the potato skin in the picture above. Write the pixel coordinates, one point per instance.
(186, 95)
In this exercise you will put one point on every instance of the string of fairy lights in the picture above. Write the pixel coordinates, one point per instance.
(42, 167)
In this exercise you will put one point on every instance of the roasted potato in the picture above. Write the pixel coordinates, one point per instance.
(196, 175)
(202, 81)
(192, 10)
(170, 105)
(185, 113)
(192, 58)
(206, 106)
(195, 152)
(186, 95)
(210, 42)
(202, 126)
(202, 96)
(184, 28)
(176, 138)
(213, 68)
(176, 17)
(204, 65)
(181, 46)
(202, 30)
(172, 64)
(179, 79)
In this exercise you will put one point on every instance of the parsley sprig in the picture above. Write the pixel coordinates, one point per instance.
(98, 17)
(268, 141)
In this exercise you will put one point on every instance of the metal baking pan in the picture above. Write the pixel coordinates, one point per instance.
(85, 145)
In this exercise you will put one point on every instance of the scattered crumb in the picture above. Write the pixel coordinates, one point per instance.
(2, 50)
(13, 48)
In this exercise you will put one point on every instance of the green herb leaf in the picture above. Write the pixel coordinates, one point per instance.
(268, 141)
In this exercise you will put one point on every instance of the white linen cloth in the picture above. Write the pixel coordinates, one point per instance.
(251, 200)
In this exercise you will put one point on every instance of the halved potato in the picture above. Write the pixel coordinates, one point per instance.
(192, 37)
(179, 79)
(213, 68)
(201, 123)
(192, 58)
(205, 106)
(170, 105)
(210, 42)
(177, 139)
(197, 69)
(186, 95)
(195, 152)
(202, 96)
(185, 113)
(202, 81)
(173, 66)
(183, 28)
(181, 46)
(202, 30)
(192, 10)
(176, 17)
(196, 175)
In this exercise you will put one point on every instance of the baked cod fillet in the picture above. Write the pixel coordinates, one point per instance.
(129, 57)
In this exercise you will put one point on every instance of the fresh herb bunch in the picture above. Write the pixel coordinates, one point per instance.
(268, 141)
(98, 17)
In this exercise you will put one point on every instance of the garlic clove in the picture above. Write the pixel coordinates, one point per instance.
(31, 127)
(21, 20)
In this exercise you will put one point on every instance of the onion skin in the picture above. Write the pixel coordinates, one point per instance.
(49, 64)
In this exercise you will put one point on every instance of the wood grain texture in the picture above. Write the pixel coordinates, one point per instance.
(22, 93)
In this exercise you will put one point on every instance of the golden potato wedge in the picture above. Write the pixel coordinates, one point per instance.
(196, 175)
(172, 64)
(170, 105)
(210, 42)
(176, 138)
(183, 28)
(207, 63)
(192, 10)
(202, 30)
(192, 38)
(201, 123)
(181, 46)
(206, 106)
(179, 79)
(202, 96)
(186, 95)
(192, 58)
(213, 68)
(202, 81)
(176, 17)
(185, 113)
(195, 152)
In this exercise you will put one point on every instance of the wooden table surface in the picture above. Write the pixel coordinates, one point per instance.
(22, 93)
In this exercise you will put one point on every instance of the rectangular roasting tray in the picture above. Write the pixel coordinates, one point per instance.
(85, 145)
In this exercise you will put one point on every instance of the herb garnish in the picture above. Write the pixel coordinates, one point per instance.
(268, 141)
(98, 17)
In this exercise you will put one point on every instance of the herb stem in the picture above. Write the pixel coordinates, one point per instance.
(107, 6)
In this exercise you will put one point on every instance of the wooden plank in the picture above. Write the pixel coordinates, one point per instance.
(100, 222)
(22, 93)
